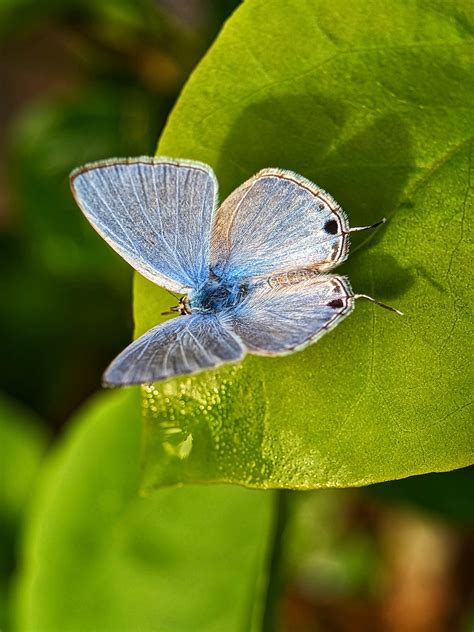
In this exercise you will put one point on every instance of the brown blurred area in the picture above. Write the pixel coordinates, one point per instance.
(368, 566)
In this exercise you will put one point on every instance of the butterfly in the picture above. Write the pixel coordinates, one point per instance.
(254, 274)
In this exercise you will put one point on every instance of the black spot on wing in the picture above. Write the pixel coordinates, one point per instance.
(331, 227)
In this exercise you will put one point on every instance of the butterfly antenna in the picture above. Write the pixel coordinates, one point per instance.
(369, 298)
(357, 229)
(172, 294)
(172, 310)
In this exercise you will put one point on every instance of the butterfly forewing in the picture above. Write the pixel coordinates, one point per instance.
(186, 344)
(278, 221)
(157, 213)
(281, 317)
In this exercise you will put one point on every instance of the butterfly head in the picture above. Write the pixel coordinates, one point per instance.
(183, 307)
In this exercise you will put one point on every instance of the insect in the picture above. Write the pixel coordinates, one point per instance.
(253, 275)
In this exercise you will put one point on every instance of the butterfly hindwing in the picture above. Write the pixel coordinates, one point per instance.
(182, 345)
(278, 221)
(284, 315)
(157, 213)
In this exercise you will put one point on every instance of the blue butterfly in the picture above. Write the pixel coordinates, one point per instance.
(252, 272)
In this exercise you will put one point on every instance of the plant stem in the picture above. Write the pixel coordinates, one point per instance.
(276, 575)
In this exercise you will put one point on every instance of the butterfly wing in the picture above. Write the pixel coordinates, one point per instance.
(156, 213)
(186, 344)
(278, 221)
(278, 319)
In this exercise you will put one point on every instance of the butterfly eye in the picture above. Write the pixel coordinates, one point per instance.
(184, 306)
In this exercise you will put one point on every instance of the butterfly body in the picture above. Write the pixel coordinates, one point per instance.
(255, 273)
(216, 296)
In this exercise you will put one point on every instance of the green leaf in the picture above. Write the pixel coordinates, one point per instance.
(378, 112)
(98, 557)
(22, 447)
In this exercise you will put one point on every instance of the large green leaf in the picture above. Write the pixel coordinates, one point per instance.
(98, 557)
(23, 443)
(376, 110)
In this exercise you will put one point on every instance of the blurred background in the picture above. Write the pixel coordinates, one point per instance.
(86, 80)
(80, 81)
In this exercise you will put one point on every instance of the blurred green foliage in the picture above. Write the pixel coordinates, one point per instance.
(23, 444)
(68, 294)
(98, 557)
(115, 69)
